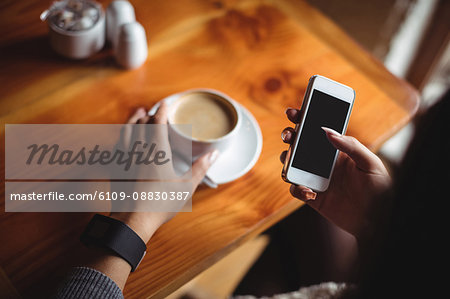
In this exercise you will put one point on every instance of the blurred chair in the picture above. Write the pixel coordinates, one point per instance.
(220, 280)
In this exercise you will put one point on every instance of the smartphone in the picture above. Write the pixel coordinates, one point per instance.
(311, 157)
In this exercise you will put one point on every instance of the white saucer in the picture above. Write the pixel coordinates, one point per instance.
(241, 156)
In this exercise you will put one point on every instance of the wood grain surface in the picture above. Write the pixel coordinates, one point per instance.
(261, 53)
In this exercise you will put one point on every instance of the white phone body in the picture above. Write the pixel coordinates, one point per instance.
(311, 157)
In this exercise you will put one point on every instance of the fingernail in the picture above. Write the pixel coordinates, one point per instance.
(331, 132)
(309, 195)
(287, 109)
(213, 156)
(141, 111)
(284, 134)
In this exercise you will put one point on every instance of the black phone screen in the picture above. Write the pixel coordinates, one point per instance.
(314, 153)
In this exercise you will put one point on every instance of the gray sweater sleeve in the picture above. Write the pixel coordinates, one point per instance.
(83, 282)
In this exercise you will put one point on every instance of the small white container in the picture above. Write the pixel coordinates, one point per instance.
(81, 43)
(131, 51)
(118, 12)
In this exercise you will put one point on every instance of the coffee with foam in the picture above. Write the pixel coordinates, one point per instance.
(210, 115)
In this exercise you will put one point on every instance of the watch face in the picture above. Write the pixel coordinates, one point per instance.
(98, 229)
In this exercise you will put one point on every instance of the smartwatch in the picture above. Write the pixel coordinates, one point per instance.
(113, 234)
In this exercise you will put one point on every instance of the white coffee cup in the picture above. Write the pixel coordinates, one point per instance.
(201, 145)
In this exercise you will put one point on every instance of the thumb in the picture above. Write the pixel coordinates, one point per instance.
(201, 166)
(361, 155)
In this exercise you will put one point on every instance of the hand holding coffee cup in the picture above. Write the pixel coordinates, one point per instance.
(239, 149)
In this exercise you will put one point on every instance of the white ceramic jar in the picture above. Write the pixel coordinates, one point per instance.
(79, 42)
(118, 12)
(131, 51)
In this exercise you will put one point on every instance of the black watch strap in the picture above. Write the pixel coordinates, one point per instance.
(113, 234)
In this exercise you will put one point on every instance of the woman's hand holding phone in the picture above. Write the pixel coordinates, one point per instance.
(359, 176)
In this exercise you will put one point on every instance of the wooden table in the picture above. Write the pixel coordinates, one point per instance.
(259, 52)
